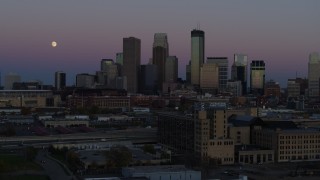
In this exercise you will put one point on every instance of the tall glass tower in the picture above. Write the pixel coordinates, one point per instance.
(257, 76)
(239, 70)
(197, 55)
(159, 55)
(314, 76)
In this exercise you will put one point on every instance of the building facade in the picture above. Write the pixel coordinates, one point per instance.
(197, 55)
(239, 70)
(9, 79)
(257, 77)
(131, 62)
(314, 76)
(171, 69)
(222, 63)
(160, 52)
(85, 80)
(60, 80)
(209, 77)
(108, 73)
(149, 79)
(289, 145)
(29, 98)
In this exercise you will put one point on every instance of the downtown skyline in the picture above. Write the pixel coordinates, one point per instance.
(283, 34)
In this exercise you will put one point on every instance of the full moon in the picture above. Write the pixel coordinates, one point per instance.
(54, 44)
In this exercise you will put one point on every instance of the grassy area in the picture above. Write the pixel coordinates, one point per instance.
(10, 163)
(25, 177)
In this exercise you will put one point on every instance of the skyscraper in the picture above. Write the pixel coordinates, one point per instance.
(119, 58)
(239, 70)
(197, 55)
(314, 76)
(188, 72)
(171, 69)
(149, 79)
(209, 77)
(108, 74)
(257, 77)
(131, 62)
(59, 80)
(222, 63)
(160, 52)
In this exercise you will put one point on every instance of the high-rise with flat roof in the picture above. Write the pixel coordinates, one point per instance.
(131, 62)
(60, 80)
(239, 70)
(314, 76)
(197, 55)
(257, 76)
(119, 58)
(209, 77)
(108, 73)
(159, 55)
(171, 69)
(222, 63)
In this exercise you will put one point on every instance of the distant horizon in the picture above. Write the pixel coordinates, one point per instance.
(283, 34)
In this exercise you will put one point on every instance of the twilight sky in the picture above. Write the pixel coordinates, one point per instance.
(282, 33)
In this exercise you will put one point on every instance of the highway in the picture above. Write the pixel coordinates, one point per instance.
(133, 134)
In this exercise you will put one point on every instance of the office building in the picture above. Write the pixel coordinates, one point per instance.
(9, 79)
(119, 58)
(176, 131)
(188, 73)
(239, 70)
(197, 55)
(171, 69)
(211, 138)
(272, 88)
(60, 80)
(222, 63)
(29, 98)
(290, 143)
(297, 87)
(257, 77)
(159, 55)
(85, 80)
(234, 87)
(314, 76)
(209, 77)
(131, 62)
(149, 79)
(108, 74)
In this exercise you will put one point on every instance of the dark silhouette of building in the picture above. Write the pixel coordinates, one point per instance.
(149, 79)
(131, 62)
(159, 55)
(60, 80)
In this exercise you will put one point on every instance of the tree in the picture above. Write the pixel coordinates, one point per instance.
(72, 158)
(149, 148)
(118, 156)
(31, 153)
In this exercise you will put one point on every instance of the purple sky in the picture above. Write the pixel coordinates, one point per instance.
(282, 33)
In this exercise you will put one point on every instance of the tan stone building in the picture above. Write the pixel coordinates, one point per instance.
(211, 139)
(209, 76)
(288, 142)
(29, 98)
